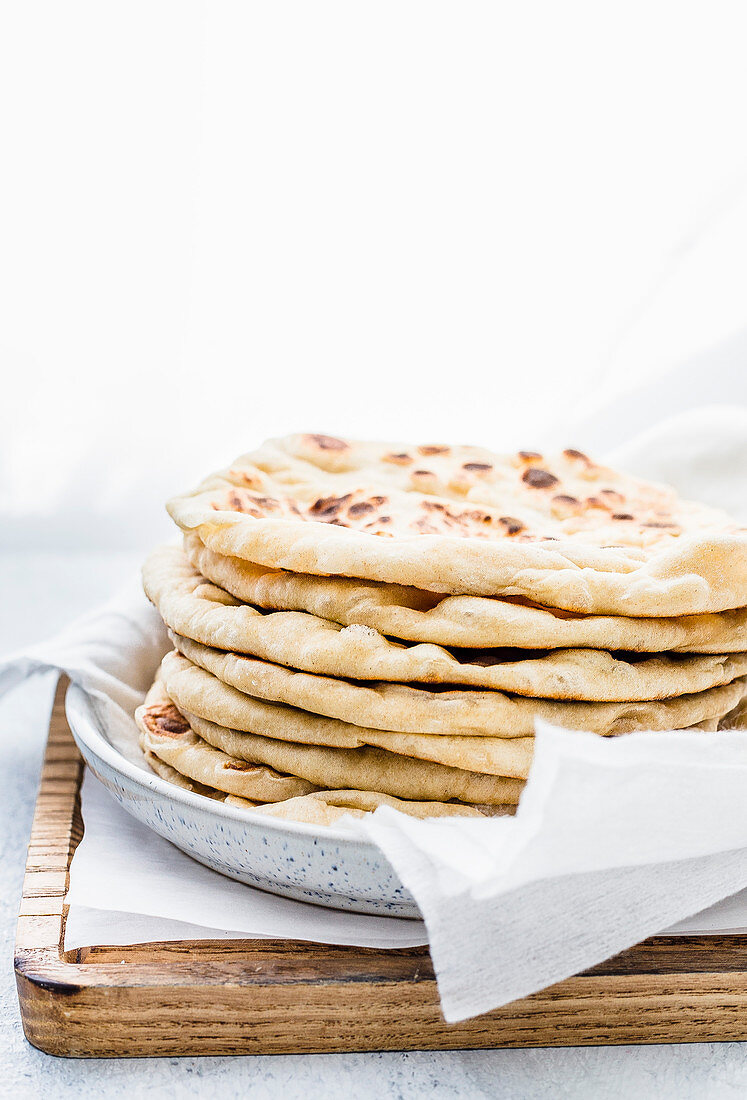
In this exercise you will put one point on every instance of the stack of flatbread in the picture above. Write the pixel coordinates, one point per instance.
(358, 624)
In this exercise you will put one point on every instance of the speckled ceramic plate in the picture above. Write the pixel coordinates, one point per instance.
(328, 866)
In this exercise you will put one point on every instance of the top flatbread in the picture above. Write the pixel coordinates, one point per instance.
(398, 611)
(560, 530)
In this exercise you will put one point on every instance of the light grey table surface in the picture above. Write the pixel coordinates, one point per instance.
(40, 593)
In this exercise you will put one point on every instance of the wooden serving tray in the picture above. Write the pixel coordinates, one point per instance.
(276, 996)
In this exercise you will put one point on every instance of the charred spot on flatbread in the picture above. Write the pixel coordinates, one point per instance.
(165, 720)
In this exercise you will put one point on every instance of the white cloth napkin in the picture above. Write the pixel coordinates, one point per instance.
(112, 653)
(614, 839)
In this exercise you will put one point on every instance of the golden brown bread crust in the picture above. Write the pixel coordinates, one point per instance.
(559, 529)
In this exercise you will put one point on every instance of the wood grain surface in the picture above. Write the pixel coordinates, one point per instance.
(275, 996)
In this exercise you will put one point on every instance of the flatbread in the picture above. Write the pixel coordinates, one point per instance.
(466, 713)
(208, 614)
(364, 769)
(469, 621)
(171, 775)
(327, 807)
(736, 719)
(560, 530)
(198, 692)
(167, 735)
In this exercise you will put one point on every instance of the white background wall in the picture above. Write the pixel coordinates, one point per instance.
(471, 221)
